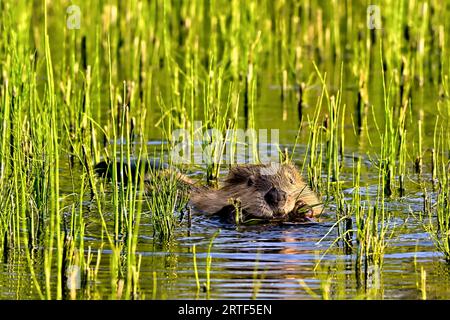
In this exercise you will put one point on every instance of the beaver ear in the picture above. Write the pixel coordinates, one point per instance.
(251, 181)
(238, 175)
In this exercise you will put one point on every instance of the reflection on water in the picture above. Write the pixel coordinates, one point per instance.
(263, 261)
(269, 261)
(274, 261)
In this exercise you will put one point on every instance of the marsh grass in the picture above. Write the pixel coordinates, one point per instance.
(168, 198)
(436, 217)
(333, 282)
(137, 71)
(364, 226)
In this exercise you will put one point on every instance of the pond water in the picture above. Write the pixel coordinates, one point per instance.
(274, 261)
(268, 261)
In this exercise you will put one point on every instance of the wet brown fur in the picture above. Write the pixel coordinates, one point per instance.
(249, 183)
(245, 185)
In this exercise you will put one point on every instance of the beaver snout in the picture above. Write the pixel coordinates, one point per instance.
(274, 197)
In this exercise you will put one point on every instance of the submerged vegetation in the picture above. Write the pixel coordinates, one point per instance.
(359, 94)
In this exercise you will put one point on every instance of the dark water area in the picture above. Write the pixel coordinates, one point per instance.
(272, 261)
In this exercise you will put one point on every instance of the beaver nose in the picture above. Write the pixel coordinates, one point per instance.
(274, 196)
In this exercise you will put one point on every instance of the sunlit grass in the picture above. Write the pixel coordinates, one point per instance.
(137, 71)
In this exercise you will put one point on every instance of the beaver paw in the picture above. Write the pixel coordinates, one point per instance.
(301, 213)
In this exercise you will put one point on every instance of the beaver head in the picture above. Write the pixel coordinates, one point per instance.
(263, 191)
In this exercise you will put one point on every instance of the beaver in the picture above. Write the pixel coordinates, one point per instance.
(256, 191)
(259, 191)
(105, 169)
(143, 169)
